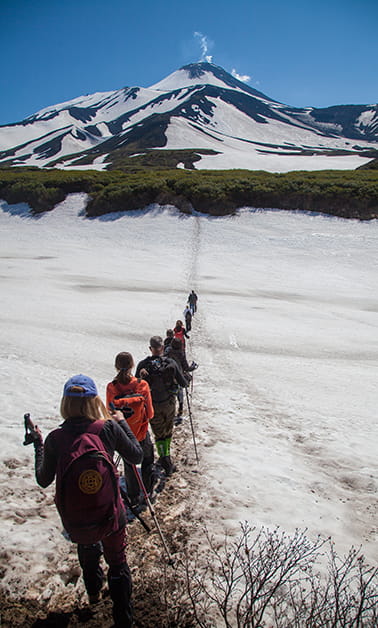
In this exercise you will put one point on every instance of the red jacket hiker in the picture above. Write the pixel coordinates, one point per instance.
(180, 332)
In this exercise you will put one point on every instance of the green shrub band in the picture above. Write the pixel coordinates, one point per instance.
(347, 193)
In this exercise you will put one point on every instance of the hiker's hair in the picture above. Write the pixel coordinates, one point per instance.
(169, 333)
(179, 324)
(124, 362)
(91, 408)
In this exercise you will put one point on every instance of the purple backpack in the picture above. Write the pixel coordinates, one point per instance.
(87, 492)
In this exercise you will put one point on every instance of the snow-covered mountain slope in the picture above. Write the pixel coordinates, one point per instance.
(200, 106)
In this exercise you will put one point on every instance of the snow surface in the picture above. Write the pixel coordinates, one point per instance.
(110, 104)
(286, 336)
(236, 153)
(181, 78)
(367, 118)
(225, 129)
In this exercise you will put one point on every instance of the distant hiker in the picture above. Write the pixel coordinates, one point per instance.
(188, 318)
(80, 454)
(192, 299)
(163, 376)
(169, 338)
(175, 352)
(133, 397)
(181, 333)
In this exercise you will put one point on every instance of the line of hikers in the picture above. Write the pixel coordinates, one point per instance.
(79, 455)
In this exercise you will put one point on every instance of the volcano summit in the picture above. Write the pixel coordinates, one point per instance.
(200, 107)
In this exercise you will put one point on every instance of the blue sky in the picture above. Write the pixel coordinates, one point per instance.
(317, 53)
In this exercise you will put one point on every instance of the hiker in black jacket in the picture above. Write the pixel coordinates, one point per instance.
(163, 376)
(175, 352)
(188, 318)
(83, 411)
(168, 339)
(192, 300)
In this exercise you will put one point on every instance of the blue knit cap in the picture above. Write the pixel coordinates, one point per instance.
(81, 381)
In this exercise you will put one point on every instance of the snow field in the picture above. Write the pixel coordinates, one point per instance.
(291, 316)
(286, 339)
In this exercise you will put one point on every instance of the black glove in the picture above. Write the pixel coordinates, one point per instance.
(32, 432)
(33, 437)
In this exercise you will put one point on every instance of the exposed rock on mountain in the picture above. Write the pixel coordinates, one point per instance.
(200, 107)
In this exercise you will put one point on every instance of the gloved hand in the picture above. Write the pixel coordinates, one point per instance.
(32, 432)
(35, 436)
(118, 414)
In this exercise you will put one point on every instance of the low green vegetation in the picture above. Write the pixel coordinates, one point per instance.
(134, 161)
(349, 194)
(371, 165)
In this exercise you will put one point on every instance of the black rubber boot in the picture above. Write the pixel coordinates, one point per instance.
(120, 587)
(167, 465)
(89, 559)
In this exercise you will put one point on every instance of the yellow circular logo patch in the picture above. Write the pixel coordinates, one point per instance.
(90, 482)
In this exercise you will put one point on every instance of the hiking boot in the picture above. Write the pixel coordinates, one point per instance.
(167, 465)
(173, 467)
(178, 420)
(94, 598)
(154, 485)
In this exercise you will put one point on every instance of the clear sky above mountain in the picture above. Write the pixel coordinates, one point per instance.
(301, 53)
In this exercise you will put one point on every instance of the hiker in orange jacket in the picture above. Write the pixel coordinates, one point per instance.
(117, 393)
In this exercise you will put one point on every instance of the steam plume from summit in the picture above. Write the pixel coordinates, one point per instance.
(205, 45)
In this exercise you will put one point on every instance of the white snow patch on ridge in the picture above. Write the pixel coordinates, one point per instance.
(181, 78)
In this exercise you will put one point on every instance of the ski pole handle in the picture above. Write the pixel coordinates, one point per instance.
(31, 435)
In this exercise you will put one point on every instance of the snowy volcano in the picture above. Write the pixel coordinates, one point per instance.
(200, 107)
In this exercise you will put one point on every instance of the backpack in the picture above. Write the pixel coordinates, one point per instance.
(87, 493)
(133, 406)
(161, 377)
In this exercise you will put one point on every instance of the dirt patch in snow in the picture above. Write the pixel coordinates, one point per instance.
(158, 589)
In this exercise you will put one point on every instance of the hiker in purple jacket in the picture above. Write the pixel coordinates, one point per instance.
(87, 418)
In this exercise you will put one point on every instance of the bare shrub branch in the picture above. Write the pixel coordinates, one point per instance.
(268, 578)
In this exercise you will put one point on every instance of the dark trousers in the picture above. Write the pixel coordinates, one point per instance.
(180, 395)
(162, 423)
(119, 578)
(147, 469)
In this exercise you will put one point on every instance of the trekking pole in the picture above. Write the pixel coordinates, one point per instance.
(191, 424)
(153, 514)
(30, 433)
(128, 503)
(134, 512)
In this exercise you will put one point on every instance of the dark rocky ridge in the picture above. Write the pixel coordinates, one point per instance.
(87, 129)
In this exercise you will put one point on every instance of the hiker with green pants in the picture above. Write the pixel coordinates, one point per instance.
(164, 376)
